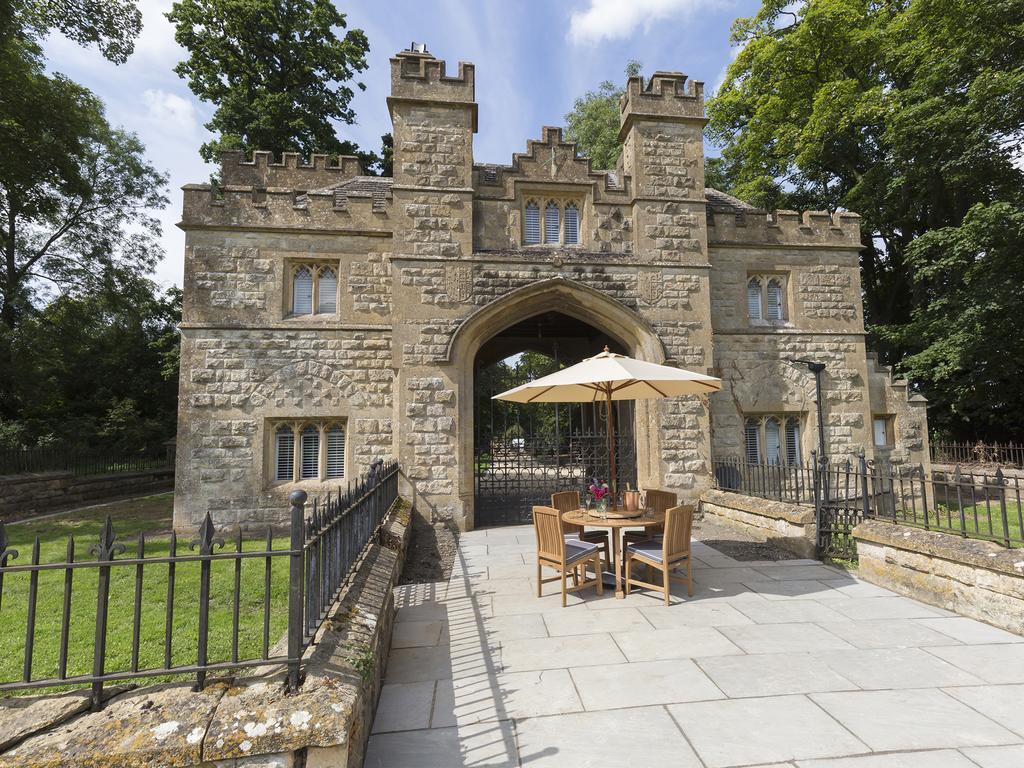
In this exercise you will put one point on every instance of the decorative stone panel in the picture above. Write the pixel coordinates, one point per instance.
(369, 282)
(826, 291)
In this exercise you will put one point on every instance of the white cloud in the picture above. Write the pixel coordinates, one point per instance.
(618, 19)
(170, 111)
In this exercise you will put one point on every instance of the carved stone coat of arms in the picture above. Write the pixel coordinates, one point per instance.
(650, 286)
(458, 281)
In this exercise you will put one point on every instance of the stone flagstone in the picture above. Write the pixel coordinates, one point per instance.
(764, 665)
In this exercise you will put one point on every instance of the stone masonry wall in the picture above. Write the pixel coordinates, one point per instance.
(758, 380)
(234, 381)
(826, 292)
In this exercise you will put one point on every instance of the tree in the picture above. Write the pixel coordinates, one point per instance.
(967, 339)
(75, 193)
(593, 122)
(909, 112)
(111, 25)
(275, 70)
(98, 368)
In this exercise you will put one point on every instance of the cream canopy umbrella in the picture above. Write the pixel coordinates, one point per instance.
(606, 377)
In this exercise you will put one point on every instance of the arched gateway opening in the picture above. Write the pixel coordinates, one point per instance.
(522, 453)
(584, 320)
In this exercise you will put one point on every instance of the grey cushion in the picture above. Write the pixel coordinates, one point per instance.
(650, 549)
(578, 550)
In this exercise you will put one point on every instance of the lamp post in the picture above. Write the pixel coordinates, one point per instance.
(817, 369)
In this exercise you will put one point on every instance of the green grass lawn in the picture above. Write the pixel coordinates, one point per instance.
(150, 516)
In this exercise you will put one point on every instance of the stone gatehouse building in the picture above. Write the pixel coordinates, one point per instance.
(331, 318)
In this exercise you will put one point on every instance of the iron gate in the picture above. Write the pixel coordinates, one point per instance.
(535, 450)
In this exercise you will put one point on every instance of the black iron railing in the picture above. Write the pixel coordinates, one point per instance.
(208, 608)
(980, 505)
(81, 460)
(998, 454)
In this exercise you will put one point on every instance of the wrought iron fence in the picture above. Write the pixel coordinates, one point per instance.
(1001, 454)
(81, 460)
(209, 608)
(970, 504)
(782, 482)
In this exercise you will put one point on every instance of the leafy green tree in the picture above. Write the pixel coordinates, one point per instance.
(74, 191)
(967, 339)
(909, 112)
(110, 25)
(593, 122)
(98, 368)
(275, 70)
(75, 194)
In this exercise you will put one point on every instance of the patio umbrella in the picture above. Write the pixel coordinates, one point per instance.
(606, 377)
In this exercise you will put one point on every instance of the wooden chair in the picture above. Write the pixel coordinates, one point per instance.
(567, 501)
(659, 501)
(672, 551)
(563, 554)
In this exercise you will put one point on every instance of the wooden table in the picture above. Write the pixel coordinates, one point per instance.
(615, 524)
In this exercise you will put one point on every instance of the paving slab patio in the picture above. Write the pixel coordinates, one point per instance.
(775, 665)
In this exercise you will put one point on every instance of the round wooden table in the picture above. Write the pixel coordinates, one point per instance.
(615, 525)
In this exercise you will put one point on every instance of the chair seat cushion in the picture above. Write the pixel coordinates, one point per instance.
(650, 549)
(578, 550)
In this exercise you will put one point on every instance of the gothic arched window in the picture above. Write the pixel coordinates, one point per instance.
(552, 229)
(531, 223)
(572, 224)
(754, 299)
(774, 308)
(302, 291)
(327, 291)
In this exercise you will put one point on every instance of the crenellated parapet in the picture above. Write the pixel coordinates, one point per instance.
(416, 76)
(665, 98)
(550, 159)
(292, 172)
(785, 228)
(248, 206)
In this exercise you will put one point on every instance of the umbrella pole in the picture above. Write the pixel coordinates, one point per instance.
(611, 444)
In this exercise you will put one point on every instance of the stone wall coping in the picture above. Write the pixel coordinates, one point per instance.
(34, 477)
(946, 546)
(780, 510)
(238, 720)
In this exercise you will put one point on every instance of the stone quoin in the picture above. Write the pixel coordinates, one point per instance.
(347, 311)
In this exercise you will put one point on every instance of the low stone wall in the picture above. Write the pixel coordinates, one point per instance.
(974, 578)
(251, 722)
(26, 495)
(790, 526)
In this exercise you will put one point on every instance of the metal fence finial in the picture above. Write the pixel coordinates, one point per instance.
(108, 546)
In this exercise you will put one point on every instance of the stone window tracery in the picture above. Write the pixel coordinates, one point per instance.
(320, 453)
(559, 225)
(772, 439)
(314, 289)
(766, 298)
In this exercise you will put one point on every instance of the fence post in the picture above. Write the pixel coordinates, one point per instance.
(863, 467)
(295, 588)
(817, 500)
(104, 551)
(206, 543)
(1001, 482)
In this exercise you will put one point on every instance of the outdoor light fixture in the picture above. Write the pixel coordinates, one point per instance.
(817, 369)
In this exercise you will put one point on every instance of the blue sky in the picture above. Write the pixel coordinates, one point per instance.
(533, 58)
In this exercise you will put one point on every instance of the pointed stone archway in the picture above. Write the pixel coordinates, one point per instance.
(571, 299)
